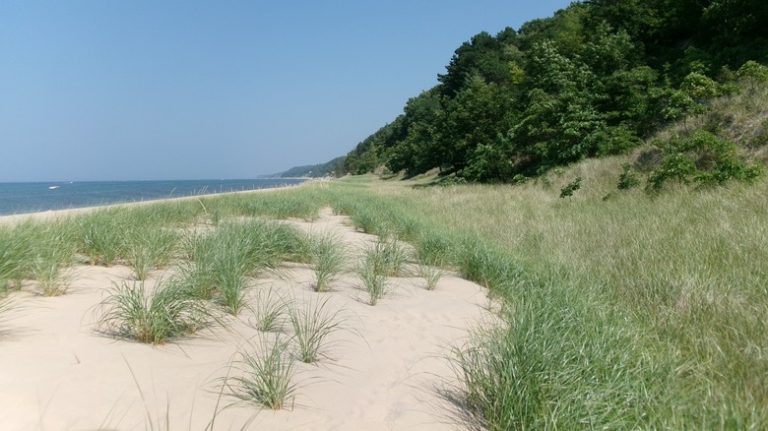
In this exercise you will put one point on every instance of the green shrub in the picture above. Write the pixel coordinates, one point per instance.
(753, 70)
(570, 188)
(701, 158)
(627, 179)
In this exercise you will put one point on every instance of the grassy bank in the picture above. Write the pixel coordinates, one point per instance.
(637, 311)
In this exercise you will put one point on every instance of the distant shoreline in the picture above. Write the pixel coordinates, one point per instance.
(10, 219)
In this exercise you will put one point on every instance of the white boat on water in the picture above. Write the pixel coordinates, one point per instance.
(53, 187)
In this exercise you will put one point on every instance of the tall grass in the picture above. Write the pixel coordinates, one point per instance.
(39, 251)
(48, 267)
(390, 256)
(149, 248)
(15, 254)
(632, 312)
(265, 374)
(269, 310)
(312, 324)
(329, 254)
(130, 311)
(373, 274)
(100, 236)
(222, 260)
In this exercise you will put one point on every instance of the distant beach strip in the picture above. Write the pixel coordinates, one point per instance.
(24, 198)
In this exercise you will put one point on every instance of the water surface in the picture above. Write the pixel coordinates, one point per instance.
(17, 198)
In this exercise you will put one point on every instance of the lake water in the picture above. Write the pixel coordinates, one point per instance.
(16, 198)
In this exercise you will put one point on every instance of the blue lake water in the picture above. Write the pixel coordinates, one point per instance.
(16, 198)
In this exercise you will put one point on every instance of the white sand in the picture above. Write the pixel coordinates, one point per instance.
(382, 371)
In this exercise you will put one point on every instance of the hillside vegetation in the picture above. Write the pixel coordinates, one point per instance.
(596, 79)
(329, 168)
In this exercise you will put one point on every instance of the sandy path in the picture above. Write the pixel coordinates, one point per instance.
(57, 373)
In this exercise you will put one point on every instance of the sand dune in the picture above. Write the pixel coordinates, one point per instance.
(383, 369)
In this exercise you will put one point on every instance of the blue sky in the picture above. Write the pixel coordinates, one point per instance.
(117, 90)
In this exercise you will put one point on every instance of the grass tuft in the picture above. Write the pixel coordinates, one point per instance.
(269, 311)
(149, 248)
(431, 275)
(372, 273)
(152, 317)
(312, 324)
(222, 260)
(392, 256)
(328, 256)
(266, 375)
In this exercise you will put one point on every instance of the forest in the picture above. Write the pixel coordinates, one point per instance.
(598, 78)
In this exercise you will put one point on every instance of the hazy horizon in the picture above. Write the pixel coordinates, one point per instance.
(98, 91)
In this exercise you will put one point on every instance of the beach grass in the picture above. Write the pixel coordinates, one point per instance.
(152, 316)
(373, 272)
(431, 275)
(312, 324)
(269, 310)
(636, 311)
(15, 255)
(266, 374)
(100, 236)
(149, 248)
(629, 278)
(329, 255)
(221, 261)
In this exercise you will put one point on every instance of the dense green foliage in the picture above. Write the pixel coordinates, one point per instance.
(594, 79)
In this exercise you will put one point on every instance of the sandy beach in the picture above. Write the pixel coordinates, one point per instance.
(384, 369)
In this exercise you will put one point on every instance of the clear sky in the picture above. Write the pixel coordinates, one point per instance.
(105, 89)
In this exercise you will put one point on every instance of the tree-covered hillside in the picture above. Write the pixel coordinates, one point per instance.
(595, 79)
(330, 168)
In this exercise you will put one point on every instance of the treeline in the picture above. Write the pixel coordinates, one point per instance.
(329, 168)
(594, 79)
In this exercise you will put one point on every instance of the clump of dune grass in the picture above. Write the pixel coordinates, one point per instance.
(100, 236)
(269, 310)
(51, 252)
(265, 375)
(304, 203)
(312, 324)
(221, 261)
(130, 311)
(431, 275)
(436, 249)
(392, 256)
(16, 254)
(149, 248)
(48, 270)
(372, 273)
(328, 256)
